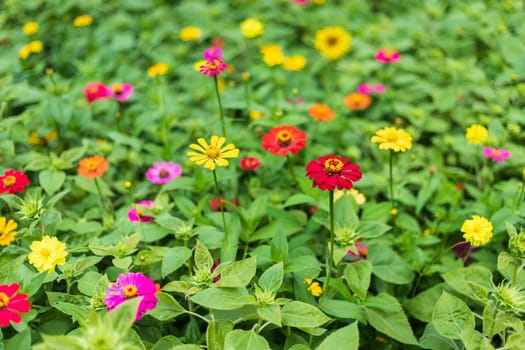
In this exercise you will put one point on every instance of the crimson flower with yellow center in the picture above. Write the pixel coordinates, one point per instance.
(331, 172)
(13, 181)
(284, 139)
(212, 154)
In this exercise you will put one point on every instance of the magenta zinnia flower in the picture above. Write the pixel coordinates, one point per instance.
(121, 92)
(12, 304)
(163, 172)
(136, 214)
(96, 91)
(331, 172)
(132, 285)
(369, 89)
(387, 56)
(212, 53)
(496, 154)
(213, 67)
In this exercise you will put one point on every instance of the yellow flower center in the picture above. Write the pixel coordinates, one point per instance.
(388, 53)
(332, 41)
(91, 165)
(9, 180)
(140, 213)
(496, 153)
(45, 253)
(117, 88)
(284, 137)
(93, 89)
(213, 64)
(130, 291)
(333, 166)
(213, 152)
(4, 300)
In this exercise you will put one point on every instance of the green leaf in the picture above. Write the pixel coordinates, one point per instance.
(238, 273)
(388, 265)
(357, 276)
(51, 180)
(299, 198)
(87, 283)
(344, 213)
(167, 307)
(223, 298)
(452, 316)
(431, 339)
(175, 258)
(422, 305)
(372, 229)
(216, 333)
(166, 342)
(19, 341)
(344, 309)
(279, 246)
(203, 259)
(272, 278)
(472, 281)
(301, 263)
(123, 316)
(298, 314)
(349, 336)
(271, 312)
(240, 339)
(386, 315)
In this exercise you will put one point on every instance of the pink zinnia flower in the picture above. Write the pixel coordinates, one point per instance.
(369, 89)
(497, 155)
(387, 56)
(122, 92)
(12, 304)
(212, 53)
(163, 172)
(331, 172)
(362, 251)
(300, 2)
(213, 67)
(136, 214)
(250, 163)
(96, 90)
(129, 286)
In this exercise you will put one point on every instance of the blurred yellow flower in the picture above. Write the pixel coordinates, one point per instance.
(477, 231)
(35, 139)
(272, 55)
(476, 134)
(83, 21)
(35, 46)
(24, 52)
(158, 69)
(360, 198)
(7, 230)
(212, 154)
(255, 115)
(30, 28)
(47, 253)
(252, 28)
(294, 63)
(397, 140)
(332, 42)
(197, 65)
(190, 34)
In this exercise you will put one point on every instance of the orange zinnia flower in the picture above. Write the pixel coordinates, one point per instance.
(283, 139)
(321, 112)
(356, 101)
(93, 167)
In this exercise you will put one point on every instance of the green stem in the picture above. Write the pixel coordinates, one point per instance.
(331, 260)
(290, 168)
(390, 168)
(220, 104)
(476, 168)
(247, 97)
(520, 197)
(226, 236)
(198, 316)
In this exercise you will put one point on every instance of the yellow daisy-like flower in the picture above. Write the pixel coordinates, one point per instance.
(256, 115)
(190, 34)
(272, 55)
(360, 198)
(313, 287)
(158, 69)
(477, 231)
(47, 253)
(7, 231)
(397, 140)
(83, 21)
(252, 28)
(35, 46)
(476, 134)
(213, 154)
(197, 65)
(294, 63)
(30, 28)
(333, 42)
(24, 52)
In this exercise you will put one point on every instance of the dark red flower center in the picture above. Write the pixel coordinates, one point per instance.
(4, 300)
(333, 166)
(284, 138)
(130, 291)
(9, 180)
(163, 173)
(332, 41)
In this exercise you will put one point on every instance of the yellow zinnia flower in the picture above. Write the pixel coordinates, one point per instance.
(24, 52)
(35, 46)
(477, 231)
(272, 55)
(47, 253)
(7, 231)
(333, 42)
(476, 134)
(294, 63)
(397, 140)
(82, 21)
(157, 69)
(30, 28)
(314, 287)
(190, 34)
(252, 28)
(213, 154)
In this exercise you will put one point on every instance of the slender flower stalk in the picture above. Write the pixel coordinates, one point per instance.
(390, 172)
(216, 80)
(520, 196)
(221, 209)
(331, 260)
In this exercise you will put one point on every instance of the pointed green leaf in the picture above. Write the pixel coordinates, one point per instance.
(240, 339)
(167, 307)
(238, 273)
(349, 336)
(216, 333)
(51, 180)
(223, 298)
(357, 276)
(452, 316)
(299, 314)
(272, 278)
(174, 259)
(202, 257)
(271, 312)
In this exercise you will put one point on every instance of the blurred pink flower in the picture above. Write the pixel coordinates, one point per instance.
(250, 163)
(362, 251)
(163, 172)
(213, 67)
(496, 154)
(96, 90)
(121, 92)
(136, 214)
(369, 89)
(387, 56)
(300, 2)
(212, 53)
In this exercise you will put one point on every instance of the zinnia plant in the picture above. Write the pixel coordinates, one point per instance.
(477, 231)
(158, 69)
(321, 112)
(47, 253)
(357, 101)
(121, 91)
(387, 56)
(13, 181)
(136, 213)
(250, 163)
(283, 140)
(163, 172)
(496, 154)
(7, 230)
(12, 304)
(333, 42)
(96, 91)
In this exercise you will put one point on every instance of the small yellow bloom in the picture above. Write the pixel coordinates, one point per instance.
(272, 55)
(256, 115)
(333, 42)
(7, 231)
(313, 287)
(477, 231)
(35, 46)
(158, 69)
(397, 140)
(197, 65)
(427, 232)
(190, 34)
(128, 184)
(47, 254)
(360, 198)
(294, 63)
(24, 52)
(393, 211)
(476, 134)
(30, 28)
(213, 154)
(83, 21)
(252, 28)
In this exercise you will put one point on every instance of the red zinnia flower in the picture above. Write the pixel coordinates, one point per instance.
(12, 304)
(213, 67)
(13, 181)
(250, 163)
(284, 139)
(218, 205)
(330, 172)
